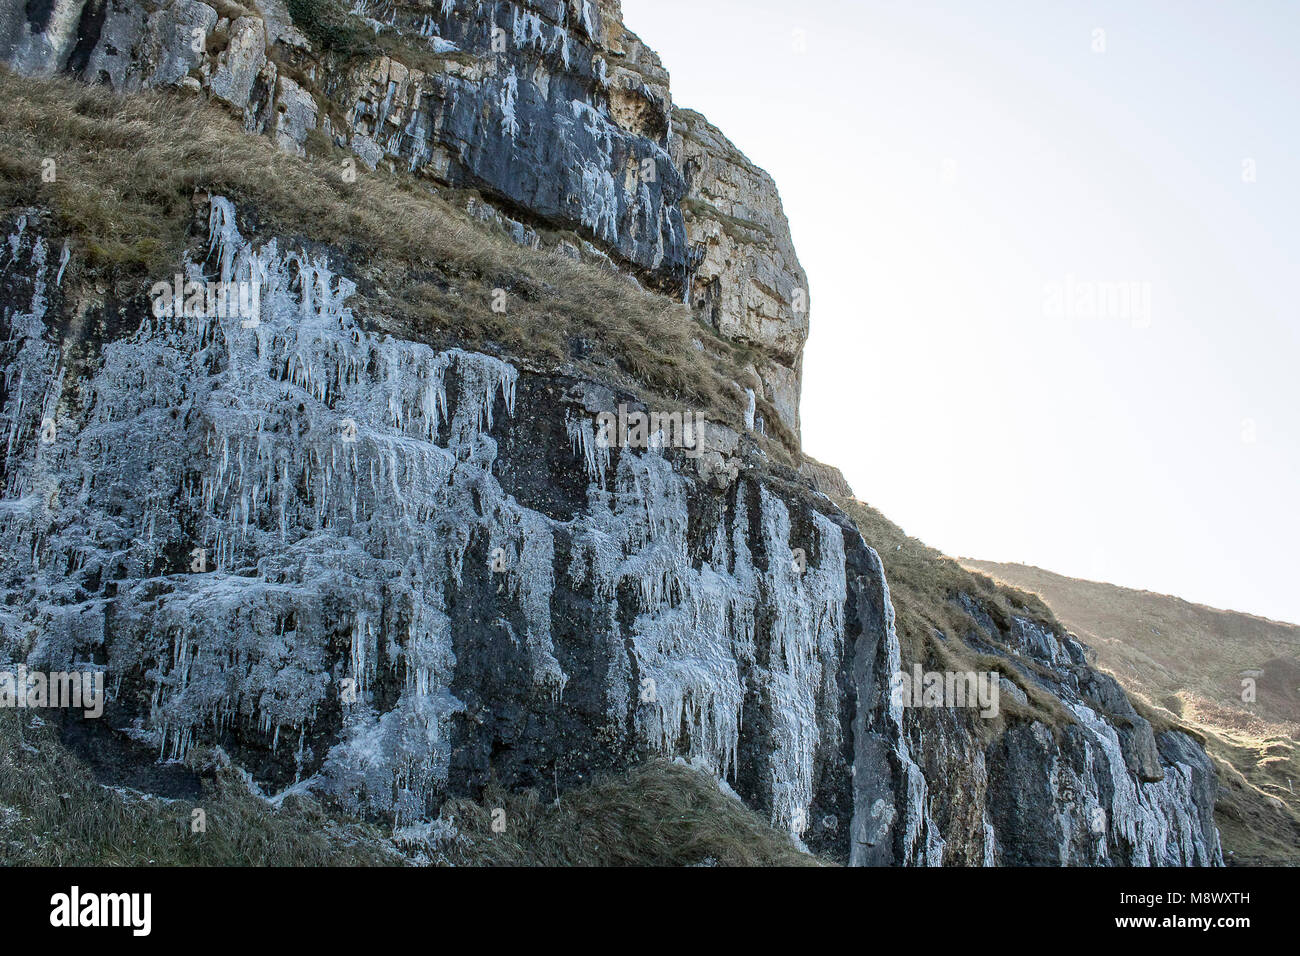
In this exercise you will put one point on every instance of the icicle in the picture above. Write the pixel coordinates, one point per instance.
(588, 446)
(509, 101)
(64, 256)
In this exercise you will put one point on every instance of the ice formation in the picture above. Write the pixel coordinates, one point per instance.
(509, 100)
(908, 811)
(285, 511)
(590, 448)
(301, 461)
(1147, 824)
(696, 635)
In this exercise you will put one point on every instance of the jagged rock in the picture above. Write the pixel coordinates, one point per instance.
(175, 29)
(554, 111)
(125, 44)
(826, 479)
(240, 62)
(37, 39)
(719, 459)
(296, 113)
(525, 109)
(750, 279)
(1009, 689)
(748, 283)
(891, 821)
(280, 27)
(1136, 736)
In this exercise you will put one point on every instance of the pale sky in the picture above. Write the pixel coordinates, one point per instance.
(948, 167)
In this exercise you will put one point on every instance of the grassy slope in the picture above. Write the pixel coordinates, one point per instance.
(661, 814)
(1190, 660)
(52, 813)
(924, 585)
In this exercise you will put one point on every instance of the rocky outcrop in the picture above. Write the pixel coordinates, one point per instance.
(1095, 787)
(548, 107)
(556, 114)
(526, 107)
(341, 558)
(747, 282)
(826, 479)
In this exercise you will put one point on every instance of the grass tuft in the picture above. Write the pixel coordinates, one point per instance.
(53, 813)
(933, 625)
(660, 814)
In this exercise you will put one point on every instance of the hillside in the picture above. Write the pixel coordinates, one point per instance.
(1195, 663)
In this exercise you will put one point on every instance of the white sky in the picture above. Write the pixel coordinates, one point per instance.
(943, 165)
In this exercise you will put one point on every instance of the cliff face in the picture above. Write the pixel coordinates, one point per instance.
(243, 525)
(387, 572)
(551, 109)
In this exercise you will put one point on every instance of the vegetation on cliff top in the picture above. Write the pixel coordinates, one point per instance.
(335, 31)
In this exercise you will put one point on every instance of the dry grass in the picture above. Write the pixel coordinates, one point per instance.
(1165, 646)
(52, 813)
(661, 814)
(129, 169)
(338, 34)
(1257, 811)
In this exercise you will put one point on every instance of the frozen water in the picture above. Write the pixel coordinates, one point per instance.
(286, 511)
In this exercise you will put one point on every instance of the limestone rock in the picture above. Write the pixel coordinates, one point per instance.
(296, 112)
(827, 479)
(239, 64)
(747, 282)
(550, 109)
(128, 45)
(176, 30)
(37, 40)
